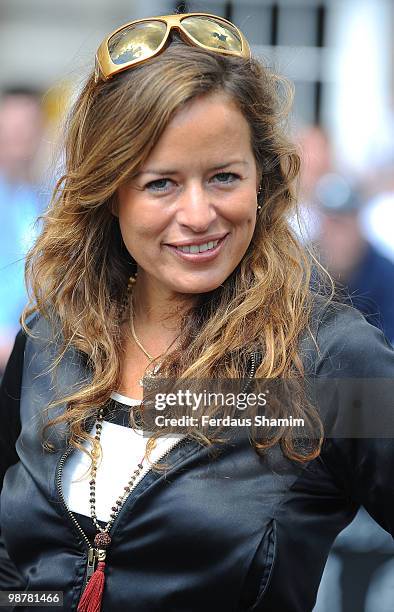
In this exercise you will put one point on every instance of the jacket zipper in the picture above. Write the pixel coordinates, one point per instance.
(93, 554)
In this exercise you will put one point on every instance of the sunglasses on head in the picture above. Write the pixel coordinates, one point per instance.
(139, 40)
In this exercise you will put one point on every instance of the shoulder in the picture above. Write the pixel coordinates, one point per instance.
(346, 344)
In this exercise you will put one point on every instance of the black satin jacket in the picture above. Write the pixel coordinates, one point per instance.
(235, 533)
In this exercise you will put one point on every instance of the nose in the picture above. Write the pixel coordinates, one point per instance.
(195, 208)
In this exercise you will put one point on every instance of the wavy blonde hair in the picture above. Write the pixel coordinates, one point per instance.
(78, 268)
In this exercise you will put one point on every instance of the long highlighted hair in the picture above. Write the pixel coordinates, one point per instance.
(78, 268)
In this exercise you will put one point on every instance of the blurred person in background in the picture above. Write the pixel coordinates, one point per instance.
(365, 279)
(316, 159)
(316, 156)
(366, 276)
(21, 200)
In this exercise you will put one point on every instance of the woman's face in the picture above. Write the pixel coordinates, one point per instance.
(188, 217)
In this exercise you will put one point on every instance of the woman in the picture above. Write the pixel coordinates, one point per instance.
(166, 252)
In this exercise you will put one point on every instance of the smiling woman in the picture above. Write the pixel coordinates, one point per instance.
(188, 228)
(166, 255)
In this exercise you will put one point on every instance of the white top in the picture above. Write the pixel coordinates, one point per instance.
(122, 449)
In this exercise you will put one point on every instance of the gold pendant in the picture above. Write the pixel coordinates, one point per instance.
(146, 380)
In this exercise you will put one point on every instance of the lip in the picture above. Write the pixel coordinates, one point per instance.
(199, 257)
(198, 241)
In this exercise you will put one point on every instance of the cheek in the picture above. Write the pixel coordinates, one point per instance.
(139, 222)
(242, 212)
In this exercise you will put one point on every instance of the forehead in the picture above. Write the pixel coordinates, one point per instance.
(210, 125)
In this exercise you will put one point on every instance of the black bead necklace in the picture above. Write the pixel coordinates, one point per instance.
(102, 539)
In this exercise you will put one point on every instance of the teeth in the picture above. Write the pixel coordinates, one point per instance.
(198, 248)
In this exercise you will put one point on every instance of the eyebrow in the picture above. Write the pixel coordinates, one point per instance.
(220, 167)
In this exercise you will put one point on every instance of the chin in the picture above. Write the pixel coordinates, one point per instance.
(198, 287)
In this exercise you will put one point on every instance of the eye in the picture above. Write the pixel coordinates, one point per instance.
(158, 185)
(226, 178)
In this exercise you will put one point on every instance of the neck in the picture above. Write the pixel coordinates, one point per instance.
(157, 315)
(155, 306)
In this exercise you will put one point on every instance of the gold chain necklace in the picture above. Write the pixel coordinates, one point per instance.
(146, 380)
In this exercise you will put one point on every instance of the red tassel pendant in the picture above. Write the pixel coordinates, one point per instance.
(93, 593)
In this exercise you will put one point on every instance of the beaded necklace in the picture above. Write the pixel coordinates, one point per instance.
(103, 535)
(92, 596)
(93, 593)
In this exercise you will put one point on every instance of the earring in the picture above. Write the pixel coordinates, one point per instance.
(132, 280)
(259, 207)
(126, 300)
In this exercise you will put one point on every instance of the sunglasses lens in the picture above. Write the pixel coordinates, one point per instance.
(137, 41)
(213, 33)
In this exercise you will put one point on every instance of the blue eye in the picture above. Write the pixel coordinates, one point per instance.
(227, 175)
(163, 184)
(158, 185)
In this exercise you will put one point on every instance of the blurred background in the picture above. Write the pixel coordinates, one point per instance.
(339, 55)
